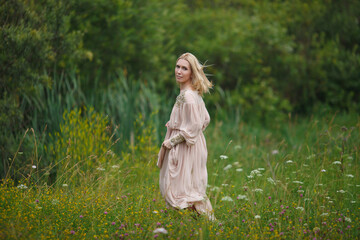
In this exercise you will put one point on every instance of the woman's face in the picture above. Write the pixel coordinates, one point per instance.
(182, 71)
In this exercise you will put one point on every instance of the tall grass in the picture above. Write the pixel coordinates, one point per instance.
(301, 181)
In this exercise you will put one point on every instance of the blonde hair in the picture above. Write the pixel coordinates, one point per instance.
(198, 77)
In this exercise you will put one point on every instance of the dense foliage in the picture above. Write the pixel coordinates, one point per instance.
(268, 60)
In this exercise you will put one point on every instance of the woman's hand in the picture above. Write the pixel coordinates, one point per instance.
(167, 144)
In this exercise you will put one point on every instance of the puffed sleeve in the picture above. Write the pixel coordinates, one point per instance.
(191, 120)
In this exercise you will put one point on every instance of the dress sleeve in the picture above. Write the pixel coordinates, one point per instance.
(191, 121)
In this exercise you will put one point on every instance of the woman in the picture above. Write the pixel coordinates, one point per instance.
(183, 154)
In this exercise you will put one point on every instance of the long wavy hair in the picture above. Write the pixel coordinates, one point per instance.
(198, 77)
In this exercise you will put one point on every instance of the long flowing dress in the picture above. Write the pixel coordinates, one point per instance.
(183, 173)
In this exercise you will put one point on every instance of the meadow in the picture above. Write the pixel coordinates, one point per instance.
(299, 180)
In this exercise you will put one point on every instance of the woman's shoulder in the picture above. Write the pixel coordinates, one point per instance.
(191, 96)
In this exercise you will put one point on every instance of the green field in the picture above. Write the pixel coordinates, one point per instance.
(296, 181)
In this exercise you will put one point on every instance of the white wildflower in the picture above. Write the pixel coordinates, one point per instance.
(347, 219)
(320, 184)
(259, 190)
(222, 157)
(243, 197)
(323, 170)
(237, 147)
(115, 166)
(22, 186)
(300, 208)
(270, 180)
(350, 157)
(311, 156)
(250, 176)
(257, 216)
(227, 167)
(55, 201)
(328, 198)
(331, 202)
(357, 185)
(349, 175)
(300, 191)
(227, 198)
(100, 169)
(274, 152)
(255, 172)
(37, 207)
(224, 184)
(33, 166)
(65, 185)
(353, 201)
(156, 212)
(160, 230)
(239, 170)
(337, 162)
(261, 169)
(215, 189)
(305, 165)
(289, 161)
(307, 199)
(324, 214)
(340, 191)
(298, 182)
(236, 164)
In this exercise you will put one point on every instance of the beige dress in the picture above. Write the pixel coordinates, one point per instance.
(183, 174)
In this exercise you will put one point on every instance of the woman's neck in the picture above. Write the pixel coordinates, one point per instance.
(186, 86)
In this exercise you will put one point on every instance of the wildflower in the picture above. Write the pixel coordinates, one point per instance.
(255, 203)
(158, 223)
(227, 198)
(37, 207)
(215, 189)
(242, 197)
(289, 161)
(270, 180)
(22, 186)
(33, 166)
(160, 230)
(81, 216)
(257, 217)
(347, 219)
(301, 195)
(55, 201)
(274, 152)
(269, 198)
(154, 199)
(222, 157)
(155, 236)
(350, 157)
(298, 182)
(105, 212)
(324, 214)
(115, 166)
(323, 170)
(353, 201)
(227, 167)
(341, 191)
(137, 224)
(239, 169)
(156, 212)
(259, 190)
(237, 147)
(300, 208)
(311, 156)
(261, 169)
(72, 232)
(224, 184)
(349, 175)
(65, 185)
(37, 200)
(100, 169)
(337, 162)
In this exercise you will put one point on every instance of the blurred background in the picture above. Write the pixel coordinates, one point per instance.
(269, 60)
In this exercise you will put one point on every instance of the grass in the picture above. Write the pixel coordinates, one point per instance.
(297, 181)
